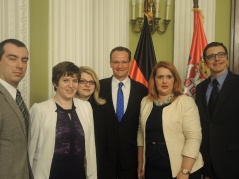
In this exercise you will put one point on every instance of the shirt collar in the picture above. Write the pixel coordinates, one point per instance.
(10, 88)
(221, 78)
(115, 82)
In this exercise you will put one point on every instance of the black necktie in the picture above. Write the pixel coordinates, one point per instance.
(213, 97)
(23, 109)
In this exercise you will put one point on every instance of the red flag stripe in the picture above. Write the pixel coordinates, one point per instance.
(136, 74)
(144, 57)
(196, 70)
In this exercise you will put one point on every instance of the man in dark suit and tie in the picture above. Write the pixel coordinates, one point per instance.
(14, 116)
(123, 96)
(218, 102)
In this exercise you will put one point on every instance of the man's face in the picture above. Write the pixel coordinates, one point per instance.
(218, 64)
(13, 64)
(120, 64)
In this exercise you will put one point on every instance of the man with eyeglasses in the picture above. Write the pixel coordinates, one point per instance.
(122, 159)
(218, 102)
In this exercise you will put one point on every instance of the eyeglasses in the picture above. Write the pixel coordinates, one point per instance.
(219, 54)
(85, 82)
(122, 63)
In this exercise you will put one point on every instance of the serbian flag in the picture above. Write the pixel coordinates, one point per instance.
(144, 57)
(197, 71)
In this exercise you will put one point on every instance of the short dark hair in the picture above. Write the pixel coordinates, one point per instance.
(213, 44)
(16, 42)
(119, 48)
(65, 68)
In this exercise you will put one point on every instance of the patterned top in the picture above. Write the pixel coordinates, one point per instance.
(70, 138)
(69, 154)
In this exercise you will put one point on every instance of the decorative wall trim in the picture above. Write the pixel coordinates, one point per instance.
(234, 53)
(14, 23)
(84, 32)
(183, 30)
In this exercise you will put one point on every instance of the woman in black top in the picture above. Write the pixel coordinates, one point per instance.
(88, 90)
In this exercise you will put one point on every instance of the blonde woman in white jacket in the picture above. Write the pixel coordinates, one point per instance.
(62, 139)
(169, 133)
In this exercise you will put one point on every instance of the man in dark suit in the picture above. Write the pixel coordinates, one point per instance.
(218, 103)
(122, 160)
(14, 163)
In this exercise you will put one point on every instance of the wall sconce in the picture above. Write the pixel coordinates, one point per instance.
(151, 10)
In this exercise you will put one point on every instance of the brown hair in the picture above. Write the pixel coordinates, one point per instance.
(65, 68)
(120, 49)
(177, 87)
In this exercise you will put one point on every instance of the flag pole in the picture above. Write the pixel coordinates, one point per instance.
(195, 4)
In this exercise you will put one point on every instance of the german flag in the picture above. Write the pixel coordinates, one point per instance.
(144, 57)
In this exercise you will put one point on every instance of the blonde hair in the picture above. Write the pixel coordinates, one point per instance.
(177, 87)
(90, 71)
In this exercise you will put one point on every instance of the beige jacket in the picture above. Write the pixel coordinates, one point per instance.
(181, 128)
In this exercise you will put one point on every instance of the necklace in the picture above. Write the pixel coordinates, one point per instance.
(166, 101)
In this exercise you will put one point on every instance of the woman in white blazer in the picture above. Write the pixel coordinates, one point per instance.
(169, 133)
(62, 137)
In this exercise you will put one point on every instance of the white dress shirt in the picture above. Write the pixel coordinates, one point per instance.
(125, 89)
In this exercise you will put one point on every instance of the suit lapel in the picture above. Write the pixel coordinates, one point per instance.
(15, 108)
(109, 98)
(130, 101)
(204, 98)
(225, 91)
(130, 104)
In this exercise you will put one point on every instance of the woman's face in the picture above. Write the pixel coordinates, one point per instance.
(164, 81)
(67, 87)
(86, 86)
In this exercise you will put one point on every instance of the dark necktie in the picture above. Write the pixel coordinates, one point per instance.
(213, 97)
(120, 102)
(23, 109)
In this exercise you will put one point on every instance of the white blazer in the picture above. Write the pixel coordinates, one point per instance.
(42, 144)
(181, 128)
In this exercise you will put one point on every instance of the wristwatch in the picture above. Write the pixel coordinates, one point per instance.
(185, 171)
